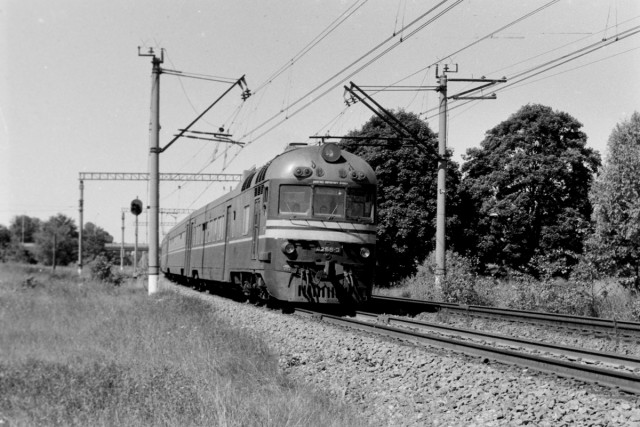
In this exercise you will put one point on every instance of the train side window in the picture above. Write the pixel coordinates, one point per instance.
(246, 219)
(295, 200)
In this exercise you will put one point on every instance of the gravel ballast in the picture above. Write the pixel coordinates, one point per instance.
(398, 384)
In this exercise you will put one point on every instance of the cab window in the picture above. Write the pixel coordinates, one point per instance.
(329, 202)
(295, 200)
(360, 203)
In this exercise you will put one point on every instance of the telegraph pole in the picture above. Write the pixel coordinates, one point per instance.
(122, 246)
(154, 159)
(81, 209)
(441, 269)
(154, 169)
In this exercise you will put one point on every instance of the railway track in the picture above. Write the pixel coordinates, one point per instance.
(579, 364)
(464, 341)
(588, 325)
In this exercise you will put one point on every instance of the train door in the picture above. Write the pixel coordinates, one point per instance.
(187, 249)
(227, 235)
(256, 228)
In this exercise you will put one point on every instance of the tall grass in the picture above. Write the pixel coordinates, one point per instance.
(598, 298)
(78, 352)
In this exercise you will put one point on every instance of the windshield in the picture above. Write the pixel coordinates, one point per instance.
(327, 202)
(295, 199)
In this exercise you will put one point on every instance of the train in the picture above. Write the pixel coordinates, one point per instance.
(301, 229)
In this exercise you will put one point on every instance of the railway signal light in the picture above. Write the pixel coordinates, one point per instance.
(136, 207)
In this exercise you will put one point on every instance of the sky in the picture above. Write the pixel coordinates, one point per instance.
(75, 94)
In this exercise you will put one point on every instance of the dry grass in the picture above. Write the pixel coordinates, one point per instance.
(77, 352)
(605, 298)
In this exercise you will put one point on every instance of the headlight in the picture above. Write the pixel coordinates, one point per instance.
(331, 152)
(365, 252)
(288, 248)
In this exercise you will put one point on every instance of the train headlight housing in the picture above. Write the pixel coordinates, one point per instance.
(288, 248)
(302, 172)
(358, 175)
(331, 153)
(365, 252)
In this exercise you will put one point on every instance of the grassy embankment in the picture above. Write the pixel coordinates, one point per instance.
(79, 352)
(576, 296)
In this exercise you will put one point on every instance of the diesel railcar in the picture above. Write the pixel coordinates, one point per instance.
(300, 229)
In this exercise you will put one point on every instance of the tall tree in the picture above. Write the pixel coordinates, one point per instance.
(615, 195)
(57, 241)
(406, 196)
(94, 238)
(23, 228)
(529, 183)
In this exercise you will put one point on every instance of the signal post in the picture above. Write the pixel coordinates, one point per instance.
(136, 209)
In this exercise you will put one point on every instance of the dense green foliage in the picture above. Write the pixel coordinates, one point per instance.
(5, 242)
(406, 196)
(101, 269)
(615, 195)
(93, 240)
(57, 241)
(528, 183)
(29, 240)
(24, 228)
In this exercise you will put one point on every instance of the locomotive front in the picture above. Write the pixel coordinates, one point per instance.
(320, 227)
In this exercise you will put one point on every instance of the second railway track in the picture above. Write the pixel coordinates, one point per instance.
(615, 378)
(590, 325)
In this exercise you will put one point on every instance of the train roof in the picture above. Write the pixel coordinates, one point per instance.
(295, 156)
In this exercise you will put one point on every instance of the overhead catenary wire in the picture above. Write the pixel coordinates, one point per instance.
(314, 42)
(579, 53)
(479, 40)
(198, 76)
(517, 84)
(529, 14)
(351, 65)
(550, 65)
(472, 44)
(559, 47)
(571, 69)
(179, 74)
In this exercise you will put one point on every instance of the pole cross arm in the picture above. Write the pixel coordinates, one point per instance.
(240, 82)
(143, 176)
(385, 115)
(488, 83)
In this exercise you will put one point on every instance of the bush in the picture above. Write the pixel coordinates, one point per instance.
(101, 269)
(584, 293)
(460, 283)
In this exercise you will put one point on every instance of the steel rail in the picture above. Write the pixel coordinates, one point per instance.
(616, 379)
(564, 320)
(571, 352)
